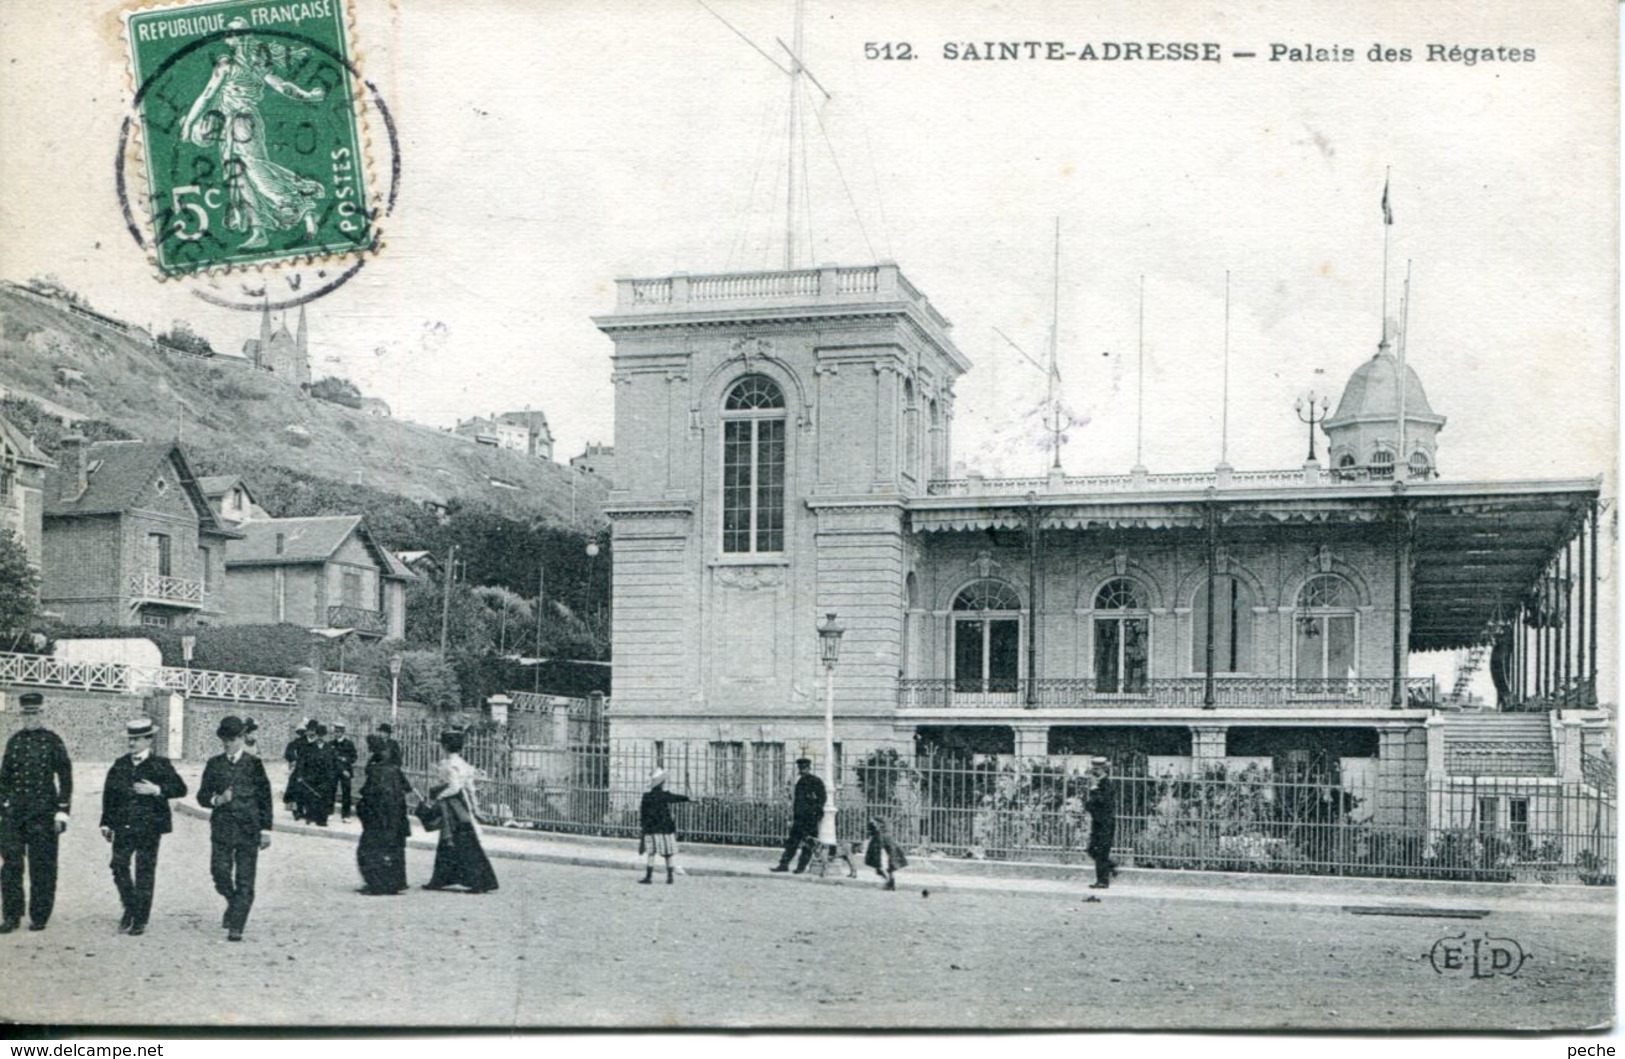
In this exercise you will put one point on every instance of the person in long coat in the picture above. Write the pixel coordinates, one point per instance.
(36, 792)
(884, 855)
(1101, 804)
(318, 776)
(344, 759)
(238, 794)
(294, 754)
(381, 854)
(459, 859)
(806, 810)
(658, 831)
(135, 818)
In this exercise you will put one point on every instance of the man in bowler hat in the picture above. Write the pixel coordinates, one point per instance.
(806, 810)
(135, 818)
(344, 758)
(36, 787)
(238, 794)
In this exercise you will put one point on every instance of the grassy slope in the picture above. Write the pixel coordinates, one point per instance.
(243, 415)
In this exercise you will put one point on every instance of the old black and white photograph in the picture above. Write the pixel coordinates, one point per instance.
(1070, 515)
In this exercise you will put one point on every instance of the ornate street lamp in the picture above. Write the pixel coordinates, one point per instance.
(394, 688)
(829, 652)
(1309, 412)
(499, 704)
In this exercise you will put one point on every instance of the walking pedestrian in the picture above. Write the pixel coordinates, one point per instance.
(294, 753)
(1101, 805)
(344, 759)
(459, 859)
(36, 792)
(250, 739)
(317, 775)
(387, 730)
(135, 818)
(658, 829)
(806, 810)
(381, 854)
(238, 794)
(884, 855)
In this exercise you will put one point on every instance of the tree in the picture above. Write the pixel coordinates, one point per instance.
(183, 338)
(49, 285)
(336, 390)
(19, 587)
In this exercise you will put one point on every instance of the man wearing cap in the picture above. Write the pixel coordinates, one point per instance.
(806, 810)
(238, 794)
(1101, 804)
(344, 757)
(135, 818)
(36, 787)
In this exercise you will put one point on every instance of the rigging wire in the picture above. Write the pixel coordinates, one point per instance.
(742, 37)
(839, 172)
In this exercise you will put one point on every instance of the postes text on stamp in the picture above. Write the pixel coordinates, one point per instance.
(250, 134)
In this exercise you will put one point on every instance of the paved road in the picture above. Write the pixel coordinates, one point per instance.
(563, 945)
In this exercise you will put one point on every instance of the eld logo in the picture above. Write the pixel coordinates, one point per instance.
(1485, 957)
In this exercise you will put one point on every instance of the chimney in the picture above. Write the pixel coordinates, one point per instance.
(74, 481)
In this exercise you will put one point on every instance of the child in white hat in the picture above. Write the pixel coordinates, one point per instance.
(659, 830)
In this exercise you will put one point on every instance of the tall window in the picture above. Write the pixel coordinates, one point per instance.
(911, 431)
(1232, 627)
(5, 484)
(351, 589)
(1326, 629)
(766, 769)
(203, 562)
(1122, 637)
(753, 467)
(727, 768)
(987, 637)
(158, 558)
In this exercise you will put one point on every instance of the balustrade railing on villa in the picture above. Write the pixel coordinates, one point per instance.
(1161, 692)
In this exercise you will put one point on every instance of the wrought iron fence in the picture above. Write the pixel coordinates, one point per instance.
(1236, 817)
(1169, 692)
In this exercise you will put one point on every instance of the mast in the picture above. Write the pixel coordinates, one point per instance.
(1054, 337)
(1224, 413)
(790, 149)
(1402, 464)
(1139, 401)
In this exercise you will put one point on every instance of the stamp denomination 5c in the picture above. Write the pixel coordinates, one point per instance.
(251, 134)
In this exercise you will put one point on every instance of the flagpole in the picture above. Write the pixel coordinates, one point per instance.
(1139, 412)
(1387, 224)
(1054, 339)
(1402, 465)
(1224, 419)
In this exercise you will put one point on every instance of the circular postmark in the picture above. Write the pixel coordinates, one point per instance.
(247, 155)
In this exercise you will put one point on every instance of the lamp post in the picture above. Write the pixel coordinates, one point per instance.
(499, 704)
(1309, 412)
(394, 688)
(592, 578)
(829, 651)
(188, 644)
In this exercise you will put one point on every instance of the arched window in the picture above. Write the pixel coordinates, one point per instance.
(987, 637)
(1232, 626)
(1122, 637)
(753, 466)
(1420, 467)
(935, 470)
(1326, 630)
(911, 431)
(1382, 464)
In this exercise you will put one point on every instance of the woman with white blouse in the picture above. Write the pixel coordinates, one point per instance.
(459, 860)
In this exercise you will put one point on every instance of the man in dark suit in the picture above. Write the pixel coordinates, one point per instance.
(806, 810)
(135, 818)
(316, 775)
(36, 787)
(387, 730)
(344, 757)
(293, 754)
(237, 792)
(1101, 804)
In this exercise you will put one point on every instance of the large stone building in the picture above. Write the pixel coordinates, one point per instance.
(784, 444)
(284, 355)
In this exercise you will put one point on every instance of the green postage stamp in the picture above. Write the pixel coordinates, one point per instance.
(251, 134)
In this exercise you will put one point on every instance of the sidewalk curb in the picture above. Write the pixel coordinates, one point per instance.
(1226, 892)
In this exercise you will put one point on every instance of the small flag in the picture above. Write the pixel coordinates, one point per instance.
(1387, 213)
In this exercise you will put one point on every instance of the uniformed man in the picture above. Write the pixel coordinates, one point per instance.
(237, 792)
(36, 789)
(1101, 804)
(344, 758)
(294, 754)
(806, 810)
(135, 818)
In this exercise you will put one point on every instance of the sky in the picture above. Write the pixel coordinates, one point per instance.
(548, 148)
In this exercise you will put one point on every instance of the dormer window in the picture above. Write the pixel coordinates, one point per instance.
(281, 543)
(1382, 464)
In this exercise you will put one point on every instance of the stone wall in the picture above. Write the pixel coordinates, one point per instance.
(91, 723)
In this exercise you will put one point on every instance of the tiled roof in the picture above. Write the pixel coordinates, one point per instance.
(122, 470)
(304, 540)
(22, 445)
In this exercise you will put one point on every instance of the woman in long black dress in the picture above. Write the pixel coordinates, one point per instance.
(459, 860)
(381, 855)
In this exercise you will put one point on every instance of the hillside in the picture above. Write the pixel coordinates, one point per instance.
(233, 416)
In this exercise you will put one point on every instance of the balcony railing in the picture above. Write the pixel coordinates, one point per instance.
(1161, 693)
(358, 618)
(1127, 483)
(179, 591)
(45, 671)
